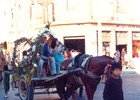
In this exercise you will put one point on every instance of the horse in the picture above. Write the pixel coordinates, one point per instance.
(90, 76)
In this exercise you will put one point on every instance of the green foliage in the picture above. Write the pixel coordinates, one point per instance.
(26, 65)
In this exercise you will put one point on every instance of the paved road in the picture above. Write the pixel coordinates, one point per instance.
(131, 84)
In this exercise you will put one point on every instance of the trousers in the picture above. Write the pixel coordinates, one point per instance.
(52, 64)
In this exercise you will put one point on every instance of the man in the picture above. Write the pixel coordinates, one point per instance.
(45, 55)
(122, 56)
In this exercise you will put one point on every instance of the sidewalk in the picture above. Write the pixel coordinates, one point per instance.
(128, 72)
(131, 84)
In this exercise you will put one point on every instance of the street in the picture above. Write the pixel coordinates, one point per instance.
(131, 84)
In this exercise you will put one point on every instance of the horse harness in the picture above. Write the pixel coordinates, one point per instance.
(84, 68)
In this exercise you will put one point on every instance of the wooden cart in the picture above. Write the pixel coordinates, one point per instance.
(25, 73)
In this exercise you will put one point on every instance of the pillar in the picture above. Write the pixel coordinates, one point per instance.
(90, 40)
(99, 40)
(129, 46)
(99, 23)
(112, 43)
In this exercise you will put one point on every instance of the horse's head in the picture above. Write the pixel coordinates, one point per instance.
(100, 65)
(107, 70)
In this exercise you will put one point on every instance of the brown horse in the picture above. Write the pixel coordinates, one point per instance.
(89, 76)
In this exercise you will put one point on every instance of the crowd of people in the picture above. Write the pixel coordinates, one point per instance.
(123, 58)
(50, 52)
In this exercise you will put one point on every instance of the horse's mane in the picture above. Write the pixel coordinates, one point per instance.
(103, 56)
(108, 57)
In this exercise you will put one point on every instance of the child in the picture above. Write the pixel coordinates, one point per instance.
(113, 86)
(24, 54)
(6, 80)
(116, 57)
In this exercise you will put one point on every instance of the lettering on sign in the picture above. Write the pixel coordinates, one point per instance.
(127, 26)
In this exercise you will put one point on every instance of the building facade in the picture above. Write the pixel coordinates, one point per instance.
(96, 26)
(23, 18)
(104, 25)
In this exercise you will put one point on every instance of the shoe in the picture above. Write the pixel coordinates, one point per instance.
(6, 96)
(54, 75)
(41, 75)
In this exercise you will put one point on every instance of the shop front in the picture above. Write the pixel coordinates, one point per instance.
(121, 40)
(75, 43)
(106, 42)
(136, 44)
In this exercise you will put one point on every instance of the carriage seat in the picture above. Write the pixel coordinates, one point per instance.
(44, 66)
(77, 60)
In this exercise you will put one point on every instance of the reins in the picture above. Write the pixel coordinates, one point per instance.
(92, 75)
(104, 75)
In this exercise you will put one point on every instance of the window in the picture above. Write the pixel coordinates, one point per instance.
(51, 12)
(73, 5)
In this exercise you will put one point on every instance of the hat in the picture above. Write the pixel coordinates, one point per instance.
(44, 30)
(44, 35)
(116, 65)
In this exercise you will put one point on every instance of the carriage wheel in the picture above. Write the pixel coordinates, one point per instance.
(13, 84)
(26, 92)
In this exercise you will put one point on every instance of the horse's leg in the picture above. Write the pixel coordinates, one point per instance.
(60, 87)
(74, 95)
(90, 90)
(90, 86)
(81, 91)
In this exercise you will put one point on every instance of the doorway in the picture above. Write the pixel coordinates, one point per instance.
(120, 47)
(76, 43)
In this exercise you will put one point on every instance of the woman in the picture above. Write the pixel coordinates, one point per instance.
(57, 49)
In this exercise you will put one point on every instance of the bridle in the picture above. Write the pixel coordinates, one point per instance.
(103, 77)
(105, 74)
(92, 75)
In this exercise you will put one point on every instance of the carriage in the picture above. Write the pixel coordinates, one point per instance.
(25, 75)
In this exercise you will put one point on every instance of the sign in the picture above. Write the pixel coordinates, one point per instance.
(128, 26)
(122, 38)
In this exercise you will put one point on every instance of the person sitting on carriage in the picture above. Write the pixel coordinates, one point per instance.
(24, 55)
(76, 58)
(56, 49)
(45, 55)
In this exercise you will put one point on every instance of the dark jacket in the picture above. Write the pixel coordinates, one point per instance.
(46, 52)
(113, 89)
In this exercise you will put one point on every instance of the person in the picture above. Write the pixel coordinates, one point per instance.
(118, 54)
(126, 61)
(122, 56)
(76, 58)
(113, 86)
(116, 57)
(45, 55)
(24, 55)
(67, 54)
(6, 80)
(56, 49)
(59, 58)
